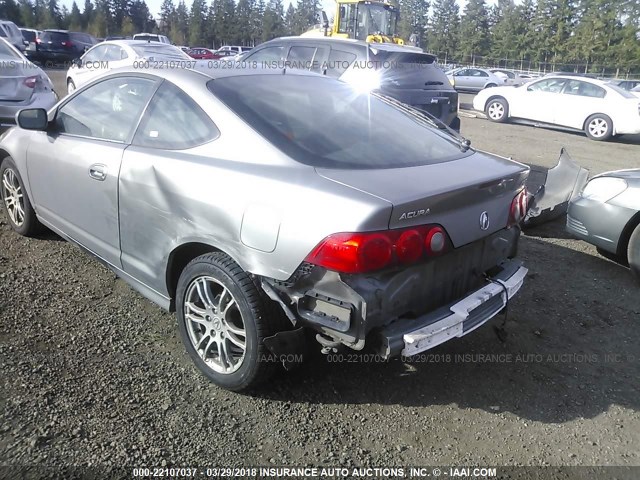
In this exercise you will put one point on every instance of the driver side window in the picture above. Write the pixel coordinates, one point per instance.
(108, 110)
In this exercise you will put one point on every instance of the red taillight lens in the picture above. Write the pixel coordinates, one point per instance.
(366, 252)
(30, 82)
(38, 40)
(67, 44)
(518, 208)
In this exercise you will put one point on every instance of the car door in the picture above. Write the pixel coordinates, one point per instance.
(462, 79)
(93, 63)
(73, 167)
(477, 79)
(155, 194)
(578, 101)
(538, 100)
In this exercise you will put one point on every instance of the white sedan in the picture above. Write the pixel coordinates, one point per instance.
(577, 103)
(112, 54)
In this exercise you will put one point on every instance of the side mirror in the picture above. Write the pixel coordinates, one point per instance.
(77, 62)
(32, 119)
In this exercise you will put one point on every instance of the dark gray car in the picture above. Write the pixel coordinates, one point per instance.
(258, 205)
(607, 215)
(402, 72)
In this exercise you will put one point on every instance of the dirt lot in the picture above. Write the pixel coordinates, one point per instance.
(93, 374)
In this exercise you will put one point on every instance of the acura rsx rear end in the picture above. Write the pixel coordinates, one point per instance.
(261, 205)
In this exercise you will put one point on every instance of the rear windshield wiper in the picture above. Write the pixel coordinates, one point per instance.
(425, 118)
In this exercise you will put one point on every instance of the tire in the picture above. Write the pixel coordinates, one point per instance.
(21, 215)
(214, 283)
(490, 85)
(497, 110)
(633, 253)
(598, 127)
(71, 87)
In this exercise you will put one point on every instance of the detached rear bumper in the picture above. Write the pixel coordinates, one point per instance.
(409, 337)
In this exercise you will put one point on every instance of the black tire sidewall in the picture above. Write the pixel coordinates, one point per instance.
(246, 374)
(71, 82)
(607, 135)
(505, 106)
(30, 225)
(633, 253)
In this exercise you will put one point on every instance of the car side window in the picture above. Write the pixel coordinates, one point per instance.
(173, 121)
(108, 110)
(113, 53)
(461, 73)
(338, 62)
(301, 57)
(590, 90)
(268, 54)
(552, 85)
(96, 54)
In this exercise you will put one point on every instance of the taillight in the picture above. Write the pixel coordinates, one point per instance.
(67, 44)
(518, 208)
(30, 82)
(370, 251)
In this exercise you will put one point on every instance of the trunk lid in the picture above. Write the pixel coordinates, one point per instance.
(13, 75)
(453, 194)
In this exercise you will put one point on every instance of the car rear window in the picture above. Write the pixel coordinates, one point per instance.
(158, 50)
(29, 36)
(7, 51)
(54, 37)
(151, 38)
(326, 123)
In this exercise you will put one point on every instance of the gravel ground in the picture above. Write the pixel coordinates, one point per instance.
(94, 374)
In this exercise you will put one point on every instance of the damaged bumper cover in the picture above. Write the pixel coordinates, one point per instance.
(382, 308)
(455, 320)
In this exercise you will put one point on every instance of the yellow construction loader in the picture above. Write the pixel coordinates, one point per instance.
(374, 21)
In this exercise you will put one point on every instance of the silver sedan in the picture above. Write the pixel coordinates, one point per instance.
(259, 205)
(22, 84)
(607, 215)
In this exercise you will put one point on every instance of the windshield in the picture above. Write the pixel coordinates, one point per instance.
(325, 123)
(374, 19)
(156, 50)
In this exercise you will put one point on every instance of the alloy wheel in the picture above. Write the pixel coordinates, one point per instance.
(496, 111)
(215, 325)
(13, 197)
(598, 127)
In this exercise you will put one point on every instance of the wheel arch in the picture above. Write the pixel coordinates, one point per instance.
(178, 259)
(623, 241)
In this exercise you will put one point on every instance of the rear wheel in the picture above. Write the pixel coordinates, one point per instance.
(633, 253)
(599, 127)
(22, 216)
(497, 110)
(222, 319)
(490, 85)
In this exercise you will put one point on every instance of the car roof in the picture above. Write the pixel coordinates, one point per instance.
(132, 43)
(350, 41)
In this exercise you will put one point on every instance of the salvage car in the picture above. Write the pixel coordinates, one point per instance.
(260, 206)
(600, 110)
(22, 84)
(607, 215)
(109, 55)
(475, 79)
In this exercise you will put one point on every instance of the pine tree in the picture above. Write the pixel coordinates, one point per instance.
(273, 24)
(197, 24)
(75, 18)
(474, 31)
(243, 19)
(289, 19)
(444, 31)
(505, 31)
(87, 14)
(10, 10)
(167, 11)
(414, 19)
(27, 13)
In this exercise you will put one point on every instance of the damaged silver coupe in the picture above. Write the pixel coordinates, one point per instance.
(260, 206)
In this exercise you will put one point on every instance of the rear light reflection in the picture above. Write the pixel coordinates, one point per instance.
(366, 252)
(30, 82)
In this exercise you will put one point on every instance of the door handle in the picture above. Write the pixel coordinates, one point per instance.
(98, 172)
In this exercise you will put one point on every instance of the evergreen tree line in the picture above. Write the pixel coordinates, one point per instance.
(580, 35)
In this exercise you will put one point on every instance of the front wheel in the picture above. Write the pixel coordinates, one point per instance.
(497, 110)
(222, 321)
(71, 86)
(599, 127)
(633, 253)
(22, 216)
